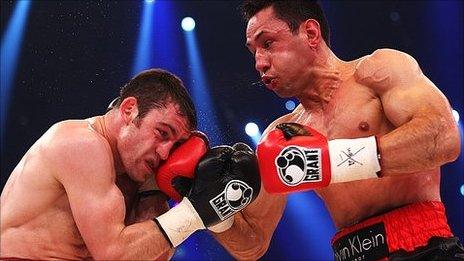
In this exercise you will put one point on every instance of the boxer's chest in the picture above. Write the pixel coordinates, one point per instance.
(354, 111)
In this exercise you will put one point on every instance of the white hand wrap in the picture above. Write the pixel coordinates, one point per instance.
(353, 159)
(180, 222)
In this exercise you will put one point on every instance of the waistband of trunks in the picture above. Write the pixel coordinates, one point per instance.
(406, 228)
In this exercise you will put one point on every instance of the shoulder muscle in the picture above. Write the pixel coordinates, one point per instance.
(74, 148)
(386, 68)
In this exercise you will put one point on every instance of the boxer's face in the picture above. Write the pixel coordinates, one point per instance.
(145, 142)
(281, 57)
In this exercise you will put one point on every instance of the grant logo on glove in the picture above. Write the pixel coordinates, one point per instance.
(294, 157)
(236, 196)
(296, 165)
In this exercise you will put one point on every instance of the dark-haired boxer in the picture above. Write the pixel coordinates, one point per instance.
(74, 193)
(374, 130)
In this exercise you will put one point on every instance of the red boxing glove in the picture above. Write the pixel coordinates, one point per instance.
(294, 157)
(175, 175)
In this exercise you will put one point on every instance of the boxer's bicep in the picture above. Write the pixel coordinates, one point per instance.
(419, 111)
(414, 98)
(405, 92)
(99, 216)
(424, 124)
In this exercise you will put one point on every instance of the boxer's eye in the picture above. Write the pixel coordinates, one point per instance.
(163, 134)
(267, 44)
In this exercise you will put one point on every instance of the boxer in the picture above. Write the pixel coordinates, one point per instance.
(374, 130)
(74, 194)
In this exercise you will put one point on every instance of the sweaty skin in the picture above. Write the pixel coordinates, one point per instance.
(353, 107)
(67, 199)
(383, 94)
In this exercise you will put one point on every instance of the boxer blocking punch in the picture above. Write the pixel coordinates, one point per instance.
(216, 184)
(175, 176)
(84, 176)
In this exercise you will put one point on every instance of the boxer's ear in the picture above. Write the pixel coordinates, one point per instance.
(312, 31)
(129, 109)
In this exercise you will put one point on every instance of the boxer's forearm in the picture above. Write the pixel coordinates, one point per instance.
(144, 241)
(251, 233)
(423, 143)
(140, 241)
(149, 207)
(146, 208)
(244, 240)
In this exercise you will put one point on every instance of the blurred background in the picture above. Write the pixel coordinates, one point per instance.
(67, 60)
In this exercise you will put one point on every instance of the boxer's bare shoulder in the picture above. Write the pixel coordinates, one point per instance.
(385, 68)
(75, 143)
(41, 169)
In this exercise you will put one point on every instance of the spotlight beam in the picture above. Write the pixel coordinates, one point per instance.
(207, 119)
(142, 59)
(11, 45)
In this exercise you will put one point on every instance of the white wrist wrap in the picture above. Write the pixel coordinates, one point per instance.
(180, 222)
(353, 159)
(223, 226)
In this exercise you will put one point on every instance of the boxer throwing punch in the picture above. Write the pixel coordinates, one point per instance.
(374, 130)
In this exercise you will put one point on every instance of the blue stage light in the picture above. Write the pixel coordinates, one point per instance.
(149, 1)
(462, 189)
(456, 115)
(188, 24)
(142, 59)
(251, 129)
(290, 105)
(11, 43)
(199, 89)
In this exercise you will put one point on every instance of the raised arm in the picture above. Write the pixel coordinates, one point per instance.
(426, 136)
(98, 205)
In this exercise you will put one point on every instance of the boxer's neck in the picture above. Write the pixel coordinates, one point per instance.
(323, 79)
(105, 125)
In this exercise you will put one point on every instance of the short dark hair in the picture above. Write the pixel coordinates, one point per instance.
(155, 88)
(293, 12)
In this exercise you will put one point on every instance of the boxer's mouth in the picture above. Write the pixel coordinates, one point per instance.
(267, 79)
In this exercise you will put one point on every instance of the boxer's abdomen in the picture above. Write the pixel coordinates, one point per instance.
(349, 203)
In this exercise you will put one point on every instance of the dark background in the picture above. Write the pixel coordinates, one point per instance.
(75, 55)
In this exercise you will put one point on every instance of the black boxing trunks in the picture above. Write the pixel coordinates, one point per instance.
(413, 232)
